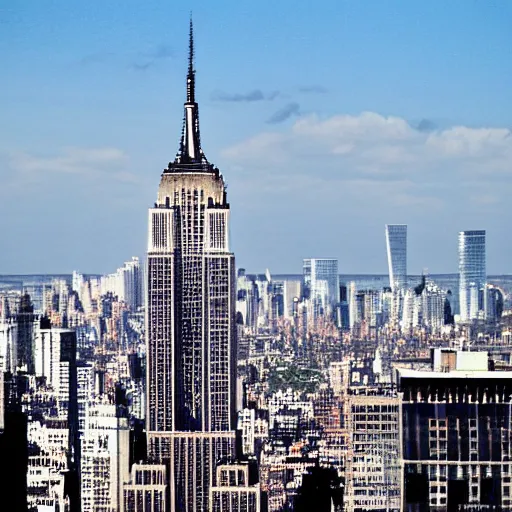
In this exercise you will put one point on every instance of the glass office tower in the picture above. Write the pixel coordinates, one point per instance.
(321, 285)
(396, 244)
(472, 275)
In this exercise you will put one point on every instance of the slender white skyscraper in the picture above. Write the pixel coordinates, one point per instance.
(396, 244)
(472, 275)
(190, 320)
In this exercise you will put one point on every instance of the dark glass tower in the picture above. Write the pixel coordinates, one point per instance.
(190, 313)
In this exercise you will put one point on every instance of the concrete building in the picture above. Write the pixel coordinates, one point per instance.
(105, 458)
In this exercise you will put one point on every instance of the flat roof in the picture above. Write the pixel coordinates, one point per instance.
(454, 374)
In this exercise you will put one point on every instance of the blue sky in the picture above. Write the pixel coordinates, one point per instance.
(327, 122)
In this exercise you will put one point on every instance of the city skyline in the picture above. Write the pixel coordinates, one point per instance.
(91, 131)
(179, 381)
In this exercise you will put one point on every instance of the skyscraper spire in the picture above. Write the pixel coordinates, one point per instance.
(191, 92)
(190, 147)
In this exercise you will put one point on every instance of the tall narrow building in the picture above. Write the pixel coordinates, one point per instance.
(396, 245)
(190, 320)
(321, 285)
(472, 275)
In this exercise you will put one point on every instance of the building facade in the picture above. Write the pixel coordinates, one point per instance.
(105, 458)
(455, 429)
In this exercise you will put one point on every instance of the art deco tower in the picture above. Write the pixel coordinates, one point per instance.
(190, 310)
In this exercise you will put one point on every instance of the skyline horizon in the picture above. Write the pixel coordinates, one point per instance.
(252, 273)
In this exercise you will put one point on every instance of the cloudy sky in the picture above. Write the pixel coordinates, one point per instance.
(327, 122)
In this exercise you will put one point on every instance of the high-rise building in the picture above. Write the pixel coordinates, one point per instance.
(472, 275)
(396, 244)
(321, 285)
(291, 293)
(353, 310)
(190, 320)
(372, 475)
(126, 283)
(455, 431)
(247, 300)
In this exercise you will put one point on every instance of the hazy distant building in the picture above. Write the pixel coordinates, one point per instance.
(396, 244)
(321, 285)
(26, 323)
(247, 299)
(263, 284)
(8, 345)
(472, 275)
(190, 320)
(494, 305)
(126, 283)
(433, 301)
(354, 312)
(132, 273)
(291, 293)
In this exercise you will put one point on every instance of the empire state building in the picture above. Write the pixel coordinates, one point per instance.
(190, 313)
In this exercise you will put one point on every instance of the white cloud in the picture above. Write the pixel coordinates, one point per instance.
(349, 147)
(328, 182)
(70, 160)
